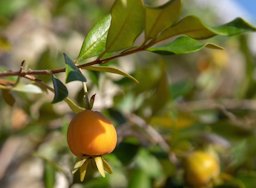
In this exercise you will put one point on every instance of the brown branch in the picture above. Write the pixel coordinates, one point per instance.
(22, 73)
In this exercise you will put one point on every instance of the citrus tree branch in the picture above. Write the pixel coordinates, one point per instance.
(22, 73)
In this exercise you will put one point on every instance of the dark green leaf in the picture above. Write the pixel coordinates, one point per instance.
(72, 72)
(92, 99)
(95, 41)
(60, 90)
(193, 27)
(111, 70)
(126, 157)
(235, 27)
(182, 45)
(160, 18)
(126, 24)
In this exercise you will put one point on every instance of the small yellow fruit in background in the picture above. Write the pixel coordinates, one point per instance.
(201, 168)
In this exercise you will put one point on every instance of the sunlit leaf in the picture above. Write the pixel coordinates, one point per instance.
(160, 18)
(79, 163)
(28, 88)
(182, 45)
(73, 106)
(60, 90)
(193, 27)
(111, 70)
(83, 170)
(126, 24)
(72, 72)
(100, 166)
(95, 41)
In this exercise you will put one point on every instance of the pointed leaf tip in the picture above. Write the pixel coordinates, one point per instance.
(72, 72)
(182, 45)
(126, 24)
(83, 170)
(95, 41)
(107, 166)
(100, 166)
(60, 90)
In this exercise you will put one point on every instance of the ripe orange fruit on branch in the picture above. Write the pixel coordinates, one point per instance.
(201, 168)
(91, 134)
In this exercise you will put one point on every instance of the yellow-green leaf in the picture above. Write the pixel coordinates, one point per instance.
(126, 24)
(83, 170)
(100, 166)
(95, 41)
(111, 70)
(193, 27)
(107, 166)
(159, 18)
(73, 106)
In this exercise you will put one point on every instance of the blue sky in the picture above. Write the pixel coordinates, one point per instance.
(249, 6)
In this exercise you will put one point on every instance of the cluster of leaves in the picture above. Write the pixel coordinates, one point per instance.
(116, 34)
(133, 27)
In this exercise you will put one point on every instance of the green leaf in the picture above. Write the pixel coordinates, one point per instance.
(248, 178)
(72, 72)
(28, 88)
(139, 179)
(60, 90)
(160, 18)
(73, 106)
(126, 24)
(95, 41)
(193, 27)
(182, 45)
(111, 70)
(49, 176)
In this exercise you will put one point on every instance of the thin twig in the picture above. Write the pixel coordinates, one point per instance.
(60, 70)
(225, 106)
(156, 137)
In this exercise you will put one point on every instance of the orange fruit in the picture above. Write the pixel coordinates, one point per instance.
(91, 134)
(200, 168)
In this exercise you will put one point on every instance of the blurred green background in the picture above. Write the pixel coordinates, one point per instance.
(204, 100)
